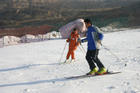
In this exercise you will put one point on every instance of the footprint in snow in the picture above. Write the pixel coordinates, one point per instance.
(126, 83)
(26, 90)
(132, 91)
(138, 47)
(111, 87)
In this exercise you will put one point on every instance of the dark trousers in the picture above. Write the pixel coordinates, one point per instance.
(92, 59)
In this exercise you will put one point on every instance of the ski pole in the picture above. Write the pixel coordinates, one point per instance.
(124, 64)
(83, 48)
(79, 40)
(62, 52)
(111, 52)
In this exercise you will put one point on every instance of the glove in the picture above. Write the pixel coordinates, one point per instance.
(83, 40)
(67, 40)
(78, 42)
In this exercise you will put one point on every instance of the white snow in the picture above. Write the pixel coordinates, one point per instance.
(34, 67)
(10, 40)
(28, 38)
(1, 42)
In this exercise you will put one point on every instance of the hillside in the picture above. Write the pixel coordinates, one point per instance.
(15, 13)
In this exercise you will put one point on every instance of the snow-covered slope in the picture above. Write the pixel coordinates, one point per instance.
(34, 67)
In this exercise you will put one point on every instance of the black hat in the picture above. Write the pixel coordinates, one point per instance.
(87, 21)
(74, 29)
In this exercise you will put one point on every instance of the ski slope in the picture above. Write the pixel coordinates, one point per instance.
(35, 68)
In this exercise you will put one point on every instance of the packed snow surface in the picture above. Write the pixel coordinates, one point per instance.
(35, 67)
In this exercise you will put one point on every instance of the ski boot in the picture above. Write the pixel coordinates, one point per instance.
(93, 72)
(101, 71)
(73, 60)
(66, 61)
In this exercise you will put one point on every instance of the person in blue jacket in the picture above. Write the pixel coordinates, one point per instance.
(93, 37)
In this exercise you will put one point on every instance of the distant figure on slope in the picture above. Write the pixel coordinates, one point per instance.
(94, 41)
(73, 43)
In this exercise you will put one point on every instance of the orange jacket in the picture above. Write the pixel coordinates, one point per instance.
(73, 40)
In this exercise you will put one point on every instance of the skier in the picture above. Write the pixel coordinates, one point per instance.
(73, 43)
(94, 40)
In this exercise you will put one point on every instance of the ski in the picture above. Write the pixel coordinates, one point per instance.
(64, 63)
(86, 76)
(69, 62)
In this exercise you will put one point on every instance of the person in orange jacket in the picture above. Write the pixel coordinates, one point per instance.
(73, 43)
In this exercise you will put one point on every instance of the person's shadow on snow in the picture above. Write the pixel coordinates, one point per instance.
(24, 67)
(34, 82)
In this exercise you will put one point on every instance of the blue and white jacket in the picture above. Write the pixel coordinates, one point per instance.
(92, 36)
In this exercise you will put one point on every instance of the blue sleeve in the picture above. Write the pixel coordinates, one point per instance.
(84, 40)
(100, 36)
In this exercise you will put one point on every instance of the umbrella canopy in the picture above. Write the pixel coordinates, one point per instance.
(66, 30)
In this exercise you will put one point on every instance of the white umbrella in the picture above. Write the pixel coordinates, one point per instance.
(66, 30)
